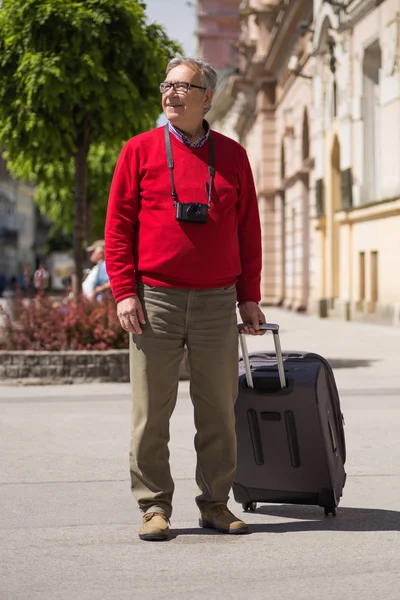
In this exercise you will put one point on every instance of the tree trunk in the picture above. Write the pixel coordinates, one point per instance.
(89, 225)
(81, 157)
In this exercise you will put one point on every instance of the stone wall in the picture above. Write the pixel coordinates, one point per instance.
(68, 367)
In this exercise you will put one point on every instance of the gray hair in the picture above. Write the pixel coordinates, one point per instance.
(207, 73)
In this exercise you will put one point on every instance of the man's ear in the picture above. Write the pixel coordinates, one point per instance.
(208, 96)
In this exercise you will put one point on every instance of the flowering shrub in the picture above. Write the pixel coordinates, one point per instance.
(42, 324)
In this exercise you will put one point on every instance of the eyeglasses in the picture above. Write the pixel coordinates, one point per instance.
(180, 87)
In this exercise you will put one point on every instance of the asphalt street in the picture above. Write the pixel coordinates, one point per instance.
(69, 525)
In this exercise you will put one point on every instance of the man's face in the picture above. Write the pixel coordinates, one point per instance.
(97, 255)
(185, 110)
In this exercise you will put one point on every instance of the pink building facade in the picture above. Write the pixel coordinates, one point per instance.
(267, 107)
(218, 30)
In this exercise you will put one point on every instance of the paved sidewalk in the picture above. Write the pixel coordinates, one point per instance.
(69, 526)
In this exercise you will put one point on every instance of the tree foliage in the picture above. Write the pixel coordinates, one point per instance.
(75, 75)
(54, 195)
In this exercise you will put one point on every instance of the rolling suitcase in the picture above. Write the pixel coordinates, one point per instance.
(289, 425)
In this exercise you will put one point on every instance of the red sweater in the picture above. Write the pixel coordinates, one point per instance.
(144, 241)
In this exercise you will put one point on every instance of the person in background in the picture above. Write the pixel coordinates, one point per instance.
(3, 283)
(183, 245)
(41, 279)
(97, 282)
(26, 281)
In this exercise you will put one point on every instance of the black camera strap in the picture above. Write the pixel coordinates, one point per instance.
(170, 161)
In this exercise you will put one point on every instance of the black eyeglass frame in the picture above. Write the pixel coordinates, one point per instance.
(171, 84)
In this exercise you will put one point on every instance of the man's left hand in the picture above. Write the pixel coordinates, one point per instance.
(252, 316)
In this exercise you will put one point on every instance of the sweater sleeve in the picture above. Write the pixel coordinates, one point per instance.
(249, 230)
(122, 213)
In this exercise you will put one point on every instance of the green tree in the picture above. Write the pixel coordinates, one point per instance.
(75, 74)
(54, 195)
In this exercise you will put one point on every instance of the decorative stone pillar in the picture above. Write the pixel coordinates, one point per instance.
(266, 190)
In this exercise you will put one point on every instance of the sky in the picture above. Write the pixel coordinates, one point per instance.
(179, 19)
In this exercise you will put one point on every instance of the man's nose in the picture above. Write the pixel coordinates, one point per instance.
(170, 92)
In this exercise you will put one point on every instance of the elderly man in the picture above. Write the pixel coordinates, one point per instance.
(183, 245)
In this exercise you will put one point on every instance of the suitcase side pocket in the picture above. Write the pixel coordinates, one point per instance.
(293, 440)
(255, 437)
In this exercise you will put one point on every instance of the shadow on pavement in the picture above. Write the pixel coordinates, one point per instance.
(347, 519)
(350, 363)
(174, 533)
(313, 519)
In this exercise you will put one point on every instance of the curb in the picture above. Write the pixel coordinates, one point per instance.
(65, 368)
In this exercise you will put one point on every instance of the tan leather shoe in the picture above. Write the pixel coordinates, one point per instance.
(154, 527)
(219, 517)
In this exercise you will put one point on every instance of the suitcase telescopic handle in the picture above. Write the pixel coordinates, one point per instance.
(274, 328)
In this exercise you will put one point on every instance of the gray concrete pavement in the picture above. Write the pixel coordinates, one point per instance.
(69, 526)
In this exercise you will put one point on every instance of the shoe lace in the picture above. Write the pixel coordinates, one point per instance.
(148, 516)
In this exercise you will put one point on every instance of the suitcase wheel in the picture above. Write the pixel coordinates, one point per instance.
(330, 510)
(249, 506)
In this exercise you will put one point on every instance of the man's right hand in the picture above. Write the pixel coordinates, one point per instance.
(130, 314)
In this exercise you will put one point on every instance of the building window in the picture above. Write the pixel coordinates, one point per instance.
(361, 280)
(374, 279)
(319, 194)
(283, 161)
(347, 188)
(371, 121)
(335, 99)
(306, 137)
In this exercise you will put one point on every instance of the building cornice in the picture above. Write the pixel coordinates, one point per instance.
(368, 212)
(266, 192)
(293, 78)
(282, 23)
(285, 26)
(356, 11)
(224, 98)
(301, 175)
(266, 8)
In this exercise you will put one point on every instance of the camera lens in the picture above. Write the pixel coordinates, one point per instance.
(194, 210)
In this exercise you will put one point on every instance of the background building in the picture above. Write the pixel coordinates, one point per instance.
(22, 228)
(17, 225)
(218, 29)
(357, 148)
(313, 94)
(266, 105)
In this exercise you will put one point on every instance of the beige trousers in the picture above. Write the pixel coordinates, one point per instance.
(204, 321)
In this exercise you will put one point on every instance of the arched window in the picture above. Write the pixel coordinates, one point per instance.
(305, 137)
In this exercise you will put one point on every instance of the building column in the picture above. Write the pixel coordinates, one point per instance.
(270, 281)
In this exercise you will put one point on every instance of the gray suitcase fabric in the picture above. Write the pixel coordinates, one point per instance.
(291, 444)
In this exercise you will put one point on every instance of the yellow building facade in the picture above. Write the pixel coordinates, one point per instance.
(357, 170)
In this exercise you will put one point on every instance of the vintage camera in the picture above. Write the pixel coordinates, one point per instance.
(192, 212)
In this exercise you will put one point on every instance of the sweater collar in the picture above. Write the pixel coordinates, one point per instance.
(183, 138)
